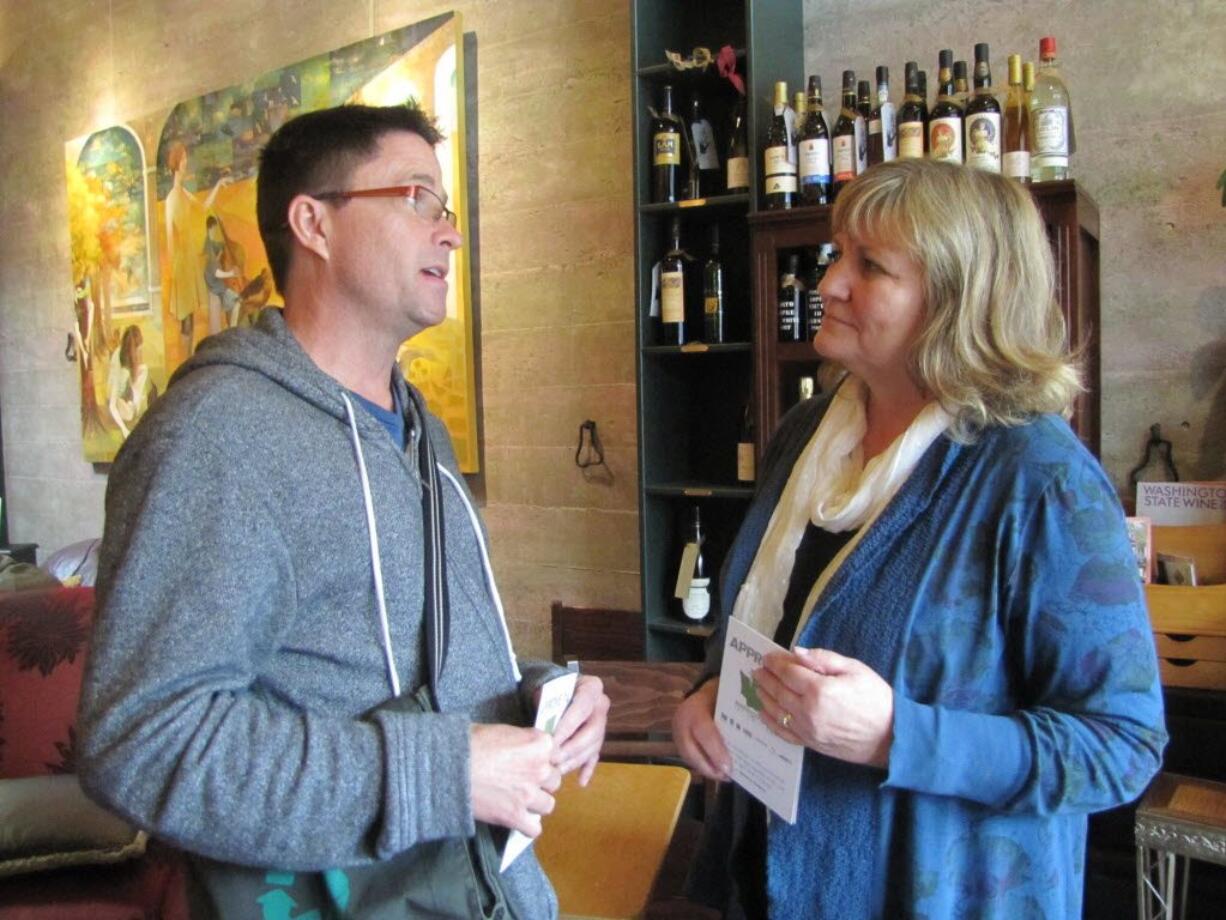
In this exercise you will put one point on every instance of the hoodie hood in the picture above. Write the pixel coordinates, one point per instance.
(268, 348)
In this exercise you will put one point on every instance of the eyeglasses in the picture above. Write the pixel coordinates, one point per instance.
(429, 206)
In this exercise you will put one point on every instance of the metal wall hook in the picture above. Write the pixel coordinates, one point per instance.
(1165, 452)
(594, 456)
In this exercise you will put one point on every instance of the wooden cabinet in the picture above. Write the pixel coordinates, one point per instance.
(1072, 226)
(691, 399)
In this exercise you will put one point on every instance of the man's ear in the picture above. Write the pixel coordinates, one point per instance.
(310, 223)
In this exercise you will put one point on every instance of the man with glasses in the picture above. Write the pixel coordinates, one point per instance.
(281, 552)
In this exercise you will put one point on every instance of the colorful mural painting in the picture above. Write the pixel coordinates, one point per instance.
(168, 252)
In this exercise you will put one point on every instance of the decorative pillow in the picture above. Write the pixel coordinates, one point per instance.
(47, 822)
(43, 639)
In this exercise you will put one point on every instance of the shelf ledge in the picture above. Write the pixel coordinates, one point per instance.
(700, 490)
(677, 628)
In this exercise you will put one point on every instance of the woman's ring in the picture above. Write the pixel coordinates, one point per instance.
(785, 720)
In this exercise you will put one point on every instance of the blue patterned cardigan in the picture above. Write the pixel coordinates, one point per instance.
(998, 595)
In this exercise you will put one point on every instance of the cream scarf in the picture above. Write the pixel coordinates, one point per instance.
(831, 486)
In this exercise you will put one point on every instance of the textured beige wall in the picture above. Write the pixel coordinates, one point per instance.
(1147, 87)
(556, 238)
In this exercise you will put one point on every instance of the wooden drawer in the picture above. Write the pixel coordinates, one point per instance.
(1192, 611)
(1198, 648)
(1205, 675)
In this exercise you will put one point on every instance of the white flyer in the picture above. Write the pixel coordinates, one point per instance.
(555, 697)
(764, 765)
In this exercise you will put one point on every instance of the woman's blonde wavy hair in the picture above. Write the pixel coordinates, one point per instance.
(991, 347)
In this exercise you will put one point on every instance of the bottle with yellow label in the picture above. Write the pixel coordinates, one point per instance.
(666, 145)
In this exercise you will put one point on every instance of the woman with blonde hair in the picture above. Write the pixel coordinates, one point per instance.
(970, 665)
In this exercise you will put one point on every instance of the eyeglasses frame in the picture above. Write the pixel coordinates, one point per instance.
(393, 191)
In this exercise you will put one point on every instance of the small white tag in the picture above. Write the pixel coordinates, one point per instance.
(655, 291)
(685, 572)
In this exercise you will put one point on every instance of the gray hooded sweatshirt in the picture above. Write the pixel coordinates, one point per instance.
(235, 698)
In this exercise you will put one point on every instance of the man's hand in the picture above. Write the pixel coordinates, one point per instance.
(512, 776)
(836, 705)
(580, 731)
(698, 737)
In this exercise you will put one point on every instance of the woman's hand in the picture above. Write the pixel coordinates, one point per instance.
(697, 736)
(838, 706)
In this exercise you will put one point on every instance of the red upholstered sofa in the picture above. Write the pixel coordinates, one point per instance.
(62, 857)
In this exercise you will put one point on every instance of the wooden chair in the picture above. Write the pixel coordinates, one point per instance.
(603, 846)
(643, 696)
(603, 633)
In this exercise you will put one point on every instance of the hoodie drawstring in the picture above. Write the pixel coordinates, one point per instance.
(373, 531)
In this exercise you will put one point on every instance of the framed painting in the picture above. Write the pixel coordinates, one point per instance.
(167, 252)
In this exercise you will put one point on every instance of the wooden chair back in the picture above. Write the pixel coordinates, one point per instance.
(601, 633)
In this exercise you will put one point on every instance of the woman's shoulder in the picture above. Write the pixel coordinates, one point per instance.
(1039, 454)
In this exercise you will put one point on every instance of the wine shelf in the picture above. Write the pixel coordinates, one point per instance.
(738, 201)
(699, 348)
(692, 398)
(700, 490)
(700, 629)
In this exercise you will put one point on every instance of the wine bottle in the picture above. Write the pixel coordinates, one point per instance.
(845, 135)
(1051, 119)
(737, 163)
(814, 149)
(745, 461)
(779, 158)
(923, 93)
(693, 583)
(983, 134)
(962, 87)
(713, 293)
(705, 167)
(672, 289)
(665, 149)
(912, 127)
(882, 125)
(1016, 125)
(789, 302)
(815, 309)
(864, 108)
(945, 125)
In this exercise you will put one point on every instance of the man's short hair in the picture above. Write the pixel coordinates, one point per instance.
(316, 152)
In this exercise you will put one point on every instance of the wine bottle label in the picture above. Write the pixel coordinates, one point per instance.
(780, 170)
(1050, 132)
(738, 172)
(744, 462)
(711, 304)
(704, 144)
(983, 141)
(861, 145)
(815, 310)
(666, 149)
(889, 132)
(814, 161)
(911, 139)
(672, 297)
(788, 318)
(945, 139)
(1017, 164)
(844, 158)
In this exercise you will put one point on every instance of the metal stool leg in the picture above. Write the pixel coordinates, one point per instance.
(1155, 884)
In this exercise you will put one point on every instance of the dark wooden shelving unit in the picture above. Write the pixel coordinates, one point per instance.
(691, 398)
(1071, 217)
